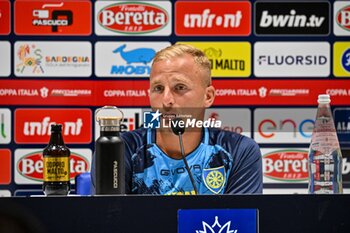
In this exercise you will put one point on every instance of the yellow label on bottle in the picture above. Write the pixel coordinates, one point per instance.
(56, 169)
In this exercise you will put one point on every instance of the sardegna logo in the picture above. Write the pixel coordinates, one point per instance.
(133, 18)
(29, 164)
(290, 165)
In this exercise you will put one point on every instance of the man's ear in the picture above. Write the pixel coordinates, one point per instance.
(209, 96)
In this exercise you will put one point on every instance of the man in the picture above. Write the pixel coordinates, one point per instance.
(220, 161)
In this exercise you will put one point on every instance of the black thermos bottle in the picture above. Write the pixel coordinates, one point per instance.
(109, 154)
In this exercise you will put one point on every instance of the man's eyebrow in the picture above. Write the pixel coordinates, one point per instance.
(181, 79)
(155, 82)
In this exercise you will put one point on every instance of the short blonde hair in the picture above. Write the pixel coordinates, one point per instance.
(178, 50)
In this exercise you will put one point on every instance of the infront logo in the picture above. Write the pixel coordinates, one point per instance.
(34, 125)
(212, 18)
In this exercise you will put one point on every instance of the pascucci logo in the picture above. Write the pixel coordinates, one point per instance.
(277, 60)
(42, 17)
(133, 17)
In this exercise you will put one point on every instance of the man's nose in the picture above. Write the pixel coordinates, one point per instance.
(168, 98)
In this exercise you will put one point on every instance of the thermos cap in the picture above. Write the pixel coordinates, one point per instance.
(324, 99)
(109, 120)
(109, 116)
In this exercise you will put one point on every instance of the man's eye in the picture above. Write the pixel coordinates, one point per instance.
(157, 89)
(180, 87)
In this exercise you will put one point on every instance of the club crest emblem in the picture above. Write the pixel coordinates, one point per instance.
(214, 178)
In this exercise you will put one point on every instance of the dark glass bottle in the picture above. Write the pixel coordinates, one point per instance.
(56, 164)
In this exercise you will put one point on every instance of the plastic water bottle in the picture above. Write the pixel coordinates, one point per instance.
(325, 159)
(109, 153)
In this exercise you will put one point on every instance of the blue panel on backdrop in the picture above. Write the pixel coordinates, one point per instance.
(342, 124)
(218, 220)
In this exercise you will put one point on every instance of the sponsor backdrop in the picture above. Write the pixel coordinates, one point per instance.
(61, 60)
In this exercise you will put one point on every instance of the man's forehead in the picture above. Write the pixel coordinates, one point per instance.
(169, 77)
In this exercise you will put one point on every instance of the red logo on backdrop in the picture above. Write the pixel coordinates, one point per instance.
(5, 14)
(33, 125)
(343, 18)
(213, 18)
(31, 165)
(5, 166)
(288, 165)
(53, 18)
(133, 17)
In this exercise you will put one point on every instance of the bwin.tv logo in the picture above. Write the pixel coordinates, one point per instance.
(151, 119)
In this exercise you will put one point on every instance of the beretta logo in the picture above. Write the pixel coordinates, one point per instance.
(33, 125)
(214, 18)
(286, 165)
(292, 18)
(132, 17)
(31, 165)
(342, 18)
(53, 18)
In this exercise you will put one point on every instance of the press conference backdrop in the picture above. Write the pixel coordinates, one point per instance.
(61, 60)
